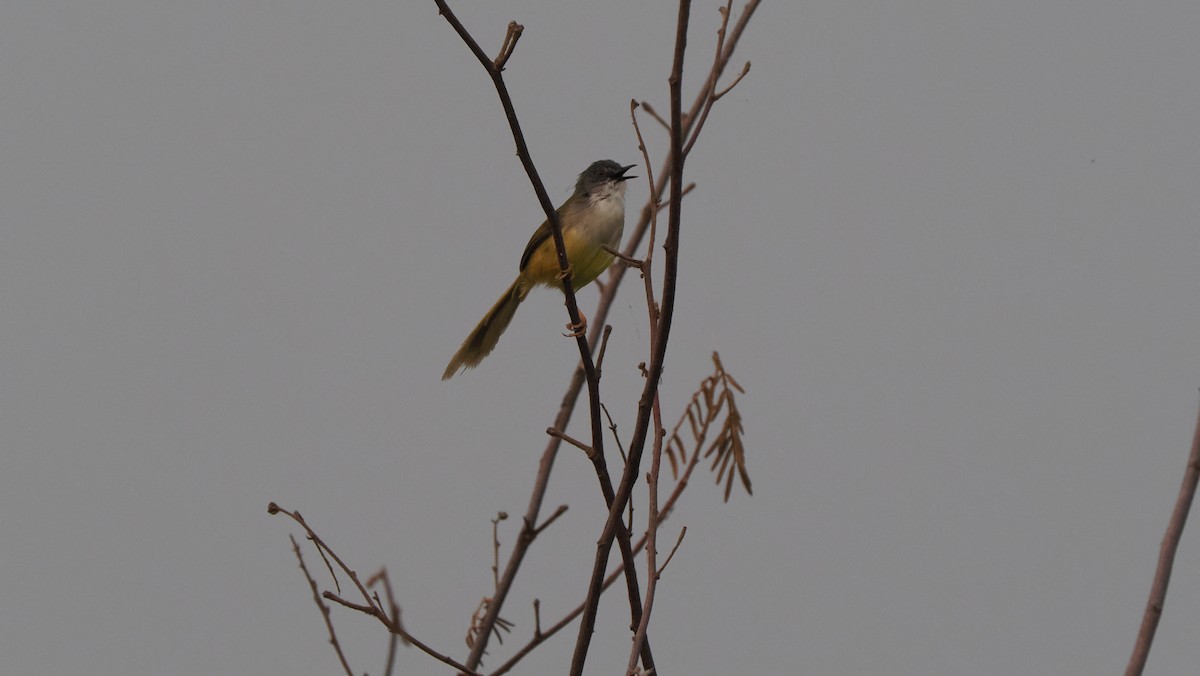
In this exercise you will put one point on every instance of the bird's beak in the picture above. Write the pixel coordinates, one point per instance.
(621, 174)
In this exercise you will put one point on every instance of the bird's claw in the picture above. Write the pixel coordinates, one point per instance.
(576, 330)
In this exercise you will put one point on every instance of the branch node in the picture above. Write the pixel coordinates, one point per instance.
(627, 260)
(562, 509)
(571, 440)
(510, 43)
(603, 348)
(674, 549)
(745, 71)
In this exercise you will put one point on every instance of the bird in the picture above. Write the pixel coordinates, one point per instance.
(592, 220)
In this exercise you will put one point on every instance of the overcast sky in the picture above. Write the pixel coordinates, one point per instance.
(949, 248)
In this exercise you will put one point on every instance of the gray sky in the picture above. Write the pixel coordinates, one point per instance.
(949, 248)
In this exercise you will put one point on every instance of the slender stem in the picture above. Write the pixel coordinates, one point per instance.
(647, 263)
(710, 99)
(373, 606)
(541, 636)
(337, 647)
(495, 71)
(652, 571)
(599, 316)
(1166, 559)
(645, 404)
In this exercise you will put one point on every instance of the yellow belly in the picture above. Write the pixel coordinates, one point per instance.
(585, 244)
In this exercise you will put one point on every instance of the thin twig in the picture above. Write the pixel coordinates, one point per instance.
(627, 260)
(589, 372)
(570, 440)
(654, 114)
(362, 608)
(510, 43)
(370, 608)
(382, 578)
(562, 509)
(678, 541)
(1166, 559)
(328, 566)
(679, 126)
(648, 261)
(667, 508)
(598, 317)
(500, 516)
(745, 71)
(686, 189)
(273, 508)
(713, 97)
(603, 348)
(641, 427)
(653, 523)
(337, 647)
(612, 427)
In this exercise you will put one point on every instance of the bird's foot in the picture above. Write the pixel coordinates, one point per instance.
(577, 330)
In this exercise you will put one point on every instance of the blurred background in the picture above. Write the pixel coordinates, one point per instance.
(948, 248)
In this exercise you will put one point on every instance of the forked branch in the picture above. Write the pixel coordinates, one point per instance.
(372, 606)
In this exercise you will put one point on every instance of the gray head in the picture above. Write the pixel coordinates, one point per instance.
(600, 173)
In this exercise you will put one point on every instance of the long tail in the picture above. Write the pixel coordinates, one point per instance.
(483, 339)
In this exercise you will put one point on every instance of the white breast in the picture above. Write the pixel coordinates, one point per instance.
(606, 205)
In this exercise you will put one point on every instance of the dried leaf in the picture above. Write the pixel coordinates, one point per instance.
(713, 397)
(736, 386)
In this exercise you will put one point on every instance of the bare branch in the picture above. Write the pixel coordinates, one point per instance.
(367, 609)
(540, 637)
(612, 427)
(653, 522)
(562, 509)
(647, 263)
(329, 566)
(674, 549)
(589, 371)
(686, 189)
(337, 647)
(713, 96)
(500, 516)
(654, 114)
(583, 374)
(745, 71)
(641, 428)
(627, 260)
(510, 43)
(370, 607)
(320, 544)
(603, 348)
(1166, 559)
(570, 440)
(381, 578)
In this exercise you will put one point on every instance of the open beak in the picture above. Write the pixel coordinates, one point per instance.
(621, 174)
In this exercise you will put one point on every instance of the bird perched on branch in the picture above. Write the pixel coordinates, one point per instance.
(592, 219)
